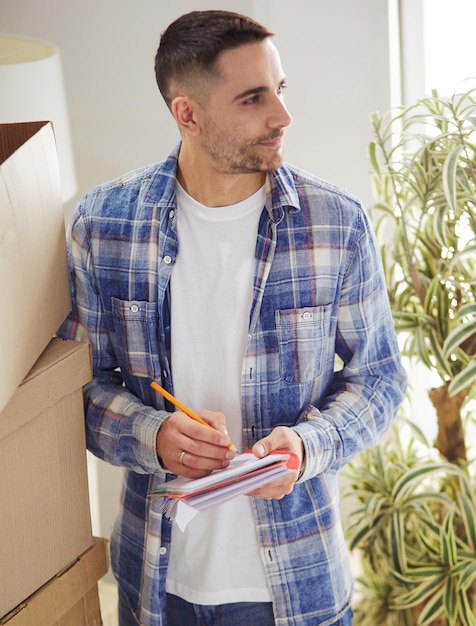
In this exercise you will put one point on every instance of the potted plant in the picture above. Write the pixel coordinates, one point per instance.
(414, 523)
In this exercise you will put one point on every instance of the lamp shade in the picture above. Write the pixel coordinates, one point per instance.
(31, 89)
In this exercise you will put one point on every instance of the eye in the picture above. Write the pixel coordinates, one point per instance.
(252, 100)
(282, 87)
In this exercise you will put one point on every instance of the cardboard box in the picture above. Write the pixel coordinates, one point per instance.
(45, 519)
(69, 599)
(34, 289)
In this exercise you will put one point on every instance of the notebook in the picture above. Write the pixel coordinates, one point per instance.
(183, 497)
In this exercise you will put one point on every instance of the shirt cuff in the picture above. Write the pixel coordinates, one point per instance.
(319, 449)
(144, 433)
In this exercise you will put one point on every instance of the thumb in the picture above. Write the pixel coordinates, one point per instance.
(263, 447)
(280, 438)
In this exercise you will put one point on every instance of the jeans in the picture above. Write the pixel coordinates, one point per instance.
(182, 613)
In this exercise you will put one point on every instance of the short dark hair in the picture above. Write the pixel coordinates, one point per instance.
(190, 46)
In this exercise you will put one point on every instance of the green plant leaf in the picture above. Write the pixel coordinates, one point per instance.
(422, 498)
(421, 593)
(468, 309)
(397, 543)
(461, 333)
(421, 349)
(432, 609)
(467, 508)
(448, 540)
(462, 255)
(412, 479)
(442, 363)
(463, 379)
(357, 538)
(467, 612)
(440, 226)
(466, 573)
(416, 430)
(432, 294)
(429, 536)
(449, 177)
(373, 157)
(424, 572)
(450, 601)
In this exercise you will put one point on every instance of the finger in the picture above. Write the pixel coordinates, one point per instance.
(215, 419)
(187, 456)
(191, 466)
(179, 434)
(215, 433)
(180, 430)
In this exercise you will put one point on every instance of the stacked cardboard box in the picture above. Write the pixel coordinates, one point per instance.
(70, 598)
(49, 562)
(34, 289)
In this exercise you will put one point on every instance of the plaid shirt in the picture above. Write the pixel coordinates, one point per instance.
(319, 292)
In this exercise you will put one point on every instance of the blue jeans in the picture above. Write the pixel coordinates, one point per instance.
(182, 613)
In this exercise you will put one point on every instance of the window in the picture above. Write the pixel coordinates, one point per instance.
(448, 44)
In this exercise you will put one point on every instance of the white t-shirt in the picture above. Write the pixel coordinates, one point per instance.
(217, 559)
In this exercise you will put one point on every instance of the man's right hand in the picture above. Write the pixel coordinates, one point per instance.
(188, 448)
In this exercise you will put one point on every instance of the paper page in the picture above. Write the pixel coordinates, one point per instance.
(222, 494)
(241, 464)
(184, 514)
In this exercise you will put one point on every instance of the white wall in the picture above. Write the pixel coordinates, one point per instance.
(335, 53)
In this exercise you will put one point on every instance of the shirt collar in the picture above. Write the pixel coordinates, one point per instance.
(281, 192)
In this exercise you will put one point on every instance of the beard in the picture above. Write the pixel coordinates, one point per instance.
(235, 154)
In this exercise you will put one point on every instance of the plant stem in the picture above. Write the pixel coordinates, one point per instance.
(450, 440)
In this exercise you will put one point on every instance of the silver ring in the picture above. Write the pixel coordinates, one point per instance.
(181, 456)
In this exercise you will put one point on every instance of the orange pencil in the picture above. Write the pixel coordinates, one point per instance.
(184, 408)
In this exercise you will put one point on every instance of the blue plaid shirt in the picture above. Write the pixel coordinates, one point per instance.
(318, 292)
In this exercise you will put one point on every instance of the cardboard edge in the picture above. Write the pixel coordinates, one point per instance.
(21, 409)
(53, 354)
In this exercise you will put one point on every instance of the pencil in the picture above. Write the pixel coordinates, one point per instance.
(184, 408)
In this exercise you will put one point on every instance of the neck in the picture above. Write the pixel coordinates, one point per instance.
(213, 188)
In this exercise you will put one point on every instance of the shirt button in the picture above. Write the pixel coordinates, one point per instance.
(134, 308)
(307, 316)
(167, 259)
(171, 214)
(163, 550)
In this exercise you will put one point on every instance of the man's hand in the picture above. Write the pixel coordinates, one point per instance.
(190, 449)
(282, 438)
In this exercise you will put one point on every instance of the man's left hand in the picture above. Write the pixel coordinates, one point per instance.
(280, 438)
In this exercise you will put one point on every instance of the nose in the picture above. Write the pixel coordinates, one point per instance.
(280, 116)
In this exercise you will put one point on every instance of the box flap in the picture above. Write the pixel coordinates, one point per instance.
(34, 284)
(47, 605)
(13, 136)
(63, 367)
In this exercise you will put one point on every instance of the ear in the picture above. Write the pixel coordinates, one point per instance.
(184, 109)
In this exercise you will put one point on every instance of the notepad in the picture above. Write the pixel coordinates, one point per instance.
(183, 497)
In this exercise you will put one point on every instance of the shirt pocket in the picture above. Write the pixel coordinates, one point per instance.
(303, 337)
(136, 328)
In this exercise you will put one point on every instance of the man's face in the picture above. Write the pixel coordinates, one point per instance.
(244, 116)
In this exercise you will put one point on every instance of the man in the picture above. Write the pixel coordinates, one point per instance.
(235, 281)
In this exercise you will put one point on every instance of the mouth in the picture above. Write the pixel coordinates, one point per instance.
(272, 142)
